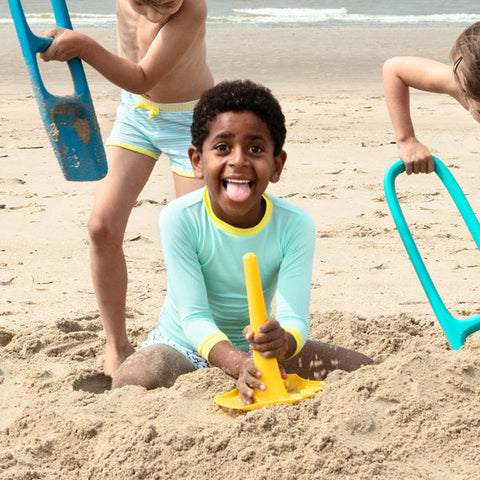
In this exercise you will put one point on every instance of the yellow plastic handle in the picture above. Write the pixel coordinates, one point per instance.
(277, 389)
(256, 302)
(271, 376)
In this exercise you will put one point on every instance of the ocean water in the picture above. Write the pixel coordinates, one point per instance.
(368, 13)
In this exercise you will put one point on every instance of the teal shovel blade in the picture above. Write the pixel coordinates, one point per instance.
(456, 330)
(70, 121)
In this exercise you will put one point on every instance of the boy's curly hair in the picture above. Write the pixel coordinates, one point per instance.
(465, 55)
(238, 96)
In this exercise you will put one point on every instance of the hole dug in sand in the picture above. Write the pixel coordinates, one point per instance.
(94, 383)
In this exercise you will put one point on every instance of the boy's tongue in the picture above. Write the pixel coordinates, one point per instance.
(237, 192)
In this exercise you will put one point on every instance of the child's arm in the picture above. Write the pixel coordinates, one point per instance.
(271, 341)
(168, 47)
(399, 74)
(239, 365)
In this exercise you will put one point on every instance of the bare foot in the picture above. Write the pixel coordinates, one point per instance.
(114, 357)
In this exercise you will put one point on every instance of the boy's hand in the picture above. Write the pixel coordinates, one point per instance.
(270, 341)
(248, 379)
(66, 45)
(416, 157)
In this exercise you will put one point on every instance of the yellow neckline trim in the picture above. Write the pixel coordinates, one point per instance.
(236, 230)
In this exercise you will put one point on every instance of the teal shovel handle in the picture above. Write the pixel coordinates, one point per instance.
(456, 330)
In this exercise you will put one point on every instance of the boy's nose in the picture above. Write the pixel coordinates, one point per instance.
(238, 157)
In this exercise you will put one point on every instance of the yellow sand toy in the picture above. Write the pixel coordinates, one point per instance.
(278, 390)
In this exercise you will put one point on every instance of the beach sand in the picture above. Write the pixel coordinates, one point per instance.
(415, 414)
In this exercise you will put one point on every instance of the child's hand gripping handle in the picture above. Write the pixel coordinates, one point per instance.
(271, 376)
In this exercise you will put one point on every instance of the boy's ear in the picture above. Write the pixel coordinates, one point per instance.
(196, 161)
(279, 160)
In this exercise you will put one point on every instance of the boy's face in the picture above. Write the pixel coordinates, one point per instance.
(237, 163)
(156, 11)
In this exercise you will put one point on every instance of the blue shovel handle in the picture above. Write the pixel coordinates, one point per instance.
(62, 19)
(456, 330)
(70, 121)
(32, 44)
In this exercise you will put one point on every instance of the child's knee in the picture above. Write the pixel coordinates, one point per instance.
(151, 367)
(133, 374)
(103, 231)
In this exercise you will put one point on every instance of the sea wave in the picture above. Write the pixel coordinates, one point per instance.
(336, 16)
(274, 16)
(80, 19)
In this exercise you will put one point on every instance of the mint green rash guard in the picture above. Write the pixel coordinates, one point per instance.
(206, 300)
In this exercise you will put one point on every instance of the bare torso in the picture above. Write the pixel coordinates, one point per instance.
(187, 79)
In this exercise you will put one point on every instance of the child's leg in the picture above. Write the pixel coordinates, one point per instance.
(115, 197)
(184, 185)
(152, 367)
(317, 359)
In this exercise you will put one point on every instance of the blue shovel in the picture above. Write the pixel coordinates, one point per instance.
(70, 121)
(456, 330)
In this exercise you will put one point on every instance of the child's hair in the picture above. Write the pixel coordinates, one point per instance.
(238, 96)
(465, 56)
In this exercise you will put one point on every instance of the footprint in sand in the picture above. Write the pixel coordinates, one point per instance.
(94, 383)
(12, 181)
(140, 203)
(5, 338)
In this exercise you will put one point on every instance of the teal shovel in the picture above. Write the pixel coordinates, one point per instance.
(456, 330)
(70, 121)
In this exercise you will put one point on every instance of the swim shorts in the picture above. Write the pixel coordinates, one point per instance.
(155, 128)
(156, 338)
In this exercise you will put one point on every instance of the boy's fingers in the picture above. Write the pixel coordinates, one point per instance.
(248, 381)
(270, 344)
(268, 326)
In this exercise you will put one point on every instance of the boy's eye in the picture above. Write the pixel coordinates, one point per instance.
(256, 149)
(221, 148)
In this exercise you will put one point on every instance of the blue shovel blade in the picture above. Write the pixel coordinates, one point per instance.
(70, 121)
(75, 137)
(456, 330)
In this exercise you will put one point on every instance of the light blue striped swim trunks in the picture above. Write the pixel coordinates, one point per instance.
(156, 338)
(155, 128)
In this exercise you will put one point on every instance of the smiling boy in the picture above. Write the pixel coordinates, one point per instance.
(162, 70)
(238, 133)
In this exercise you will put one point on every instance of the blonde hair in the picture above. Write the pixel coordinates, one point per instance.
(465, 56)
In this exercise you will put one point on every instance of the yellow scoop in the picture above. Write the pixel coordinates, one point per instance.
(278, 390)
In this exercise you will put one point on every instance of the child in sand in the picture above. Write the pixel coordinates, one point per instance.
(461, 80)
(161, 67)
(238, 133)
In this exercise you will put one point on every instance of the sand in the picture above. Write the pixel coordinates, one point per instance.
(412, 415)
